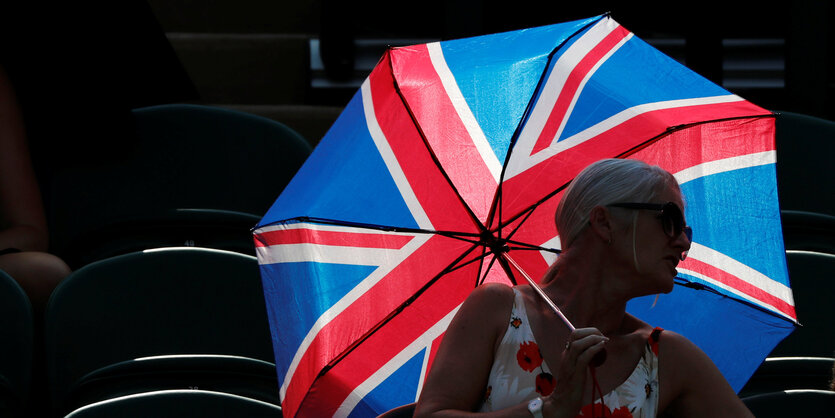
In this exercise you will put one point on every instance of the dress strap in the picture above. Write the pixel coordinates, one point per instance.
(654, 337)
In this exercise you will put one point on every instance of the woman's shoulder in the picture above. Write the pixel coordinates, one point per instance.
(491, 294)
(489, 303)
(691, 382)
(483, 315)
(677, 345)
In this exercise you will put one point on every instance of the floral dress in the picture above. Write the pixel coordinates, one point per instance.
(519, 374)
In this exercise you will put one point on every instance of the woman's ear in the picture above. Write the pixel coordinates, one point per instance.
(600, 222)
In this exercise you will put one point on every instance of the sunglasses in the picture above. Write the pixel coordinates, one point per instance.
(672, 220)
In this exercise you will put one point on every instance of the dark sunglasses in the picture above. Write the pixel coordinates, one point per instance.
(672, 220)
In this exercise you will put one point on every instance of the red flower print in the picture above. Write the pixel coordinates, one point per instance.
(601, 410)
(622, 412)
(516, 322)
(528, 356)
(653, 340)
(594, 410)
(545, 384)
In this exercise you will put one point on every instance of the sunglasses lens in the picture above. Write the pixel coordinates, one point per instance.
(669, 227)
(672, 220)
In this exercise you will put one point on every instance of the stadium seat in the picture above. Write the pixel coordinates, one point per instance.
(791, 403)
(181, 158)
(242, 376)
(804, 147)
(786, 373)
(178, 403)
(812, 277)
(808, 231)
(16, 346)
(208, 228)
(167, 318)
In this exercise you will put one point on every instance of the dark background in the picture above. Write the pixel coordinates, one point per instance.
(81, 67)
(801, 29)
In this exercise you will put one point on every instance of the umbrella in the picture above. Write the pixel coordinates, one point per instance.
(454, 153)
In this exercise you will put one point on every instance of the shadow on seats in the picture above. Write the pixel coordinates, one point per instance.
(170, 318)
(805, 146)
(791, 403)
(182, 157)
(787, 373)
(812, 277)
(808, 231)
(178, 403)
(16, 347)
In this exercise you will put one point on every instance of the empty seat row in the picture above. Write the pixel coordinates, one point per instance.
(191, 175)
(180, 318)
(194, 318)
(16, 349)
(176, 404)
(168, 318)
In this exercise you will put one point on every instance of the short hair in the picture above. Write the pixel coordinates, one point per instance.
(605, 182)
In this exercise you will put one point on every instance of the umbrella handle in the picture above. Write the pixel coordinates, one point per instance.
(598, 358)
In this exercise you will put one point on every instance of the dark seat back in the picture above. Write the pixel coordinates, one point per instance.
(172, 301)
(179, 403)
(179, 157)
(16, 347)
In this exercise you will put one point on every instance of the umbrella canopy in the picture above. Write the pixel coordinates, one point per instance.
(454, 152)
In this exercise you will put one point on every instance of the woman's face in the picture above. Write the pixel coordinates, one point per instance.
(656, 254)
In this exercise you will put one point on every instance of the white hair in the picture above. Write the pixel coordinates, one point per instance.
(605, 182)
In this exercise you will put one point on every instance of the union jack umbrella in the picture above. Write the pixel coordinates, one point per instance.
(454, 152)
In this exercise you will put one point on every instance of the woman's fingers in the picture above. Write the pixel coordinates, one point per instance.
(586, 356)
(583, 332)
(583, 344)
(582, 339)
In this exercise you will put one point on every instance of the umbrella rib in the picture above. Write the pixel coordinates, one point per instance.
(698, 286)
(676, 128)
(431, 152)
(496, 206)
(470, 237)
(451, 267)
(530, 247)
(528, 211)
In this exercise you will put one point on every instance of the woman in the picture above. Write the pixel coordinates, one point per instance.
(23, 229)
(506, 353)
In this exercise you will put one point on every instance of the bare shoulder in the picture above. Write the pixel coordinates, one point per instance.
(678, 346)
(678, 357)
(488, 297)
(489, 303)
(459, 373)
(493, 290)
(691, 384)
(483, 316)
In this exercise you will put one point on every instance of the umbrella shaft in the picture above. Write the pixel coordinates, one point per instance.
(539, 291)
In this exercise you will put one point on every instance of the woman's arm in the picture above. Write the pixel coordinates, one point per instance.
(22, 221)
(691, 385)
(458, 377)
(456, 383)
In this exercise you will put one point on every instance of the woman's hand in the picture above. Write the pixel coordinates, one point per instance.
(567, 398)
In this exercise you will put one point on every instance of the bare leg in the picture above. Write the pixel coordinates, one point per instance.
(38, 273)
